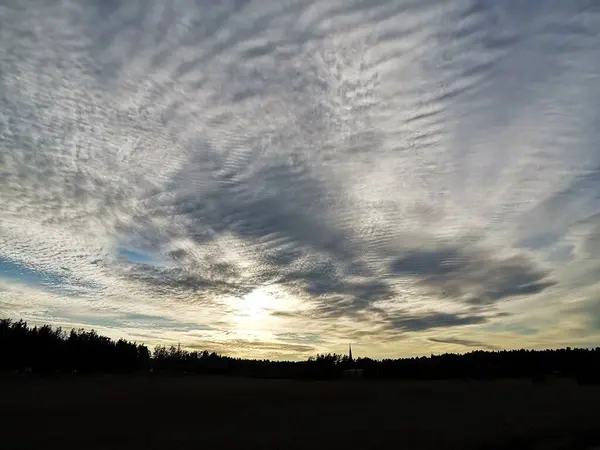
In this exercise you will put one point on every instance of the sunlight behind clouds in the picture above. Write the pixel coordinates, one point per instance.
(251, 312)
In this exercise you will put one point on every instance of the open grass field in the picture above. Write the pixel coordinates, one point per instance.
(211, 413)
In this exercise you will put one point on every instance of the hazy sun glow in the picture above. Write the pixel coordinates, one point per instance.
(250, 313)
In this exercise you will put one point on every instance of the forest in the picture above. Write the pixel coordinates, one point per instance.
(48, 350)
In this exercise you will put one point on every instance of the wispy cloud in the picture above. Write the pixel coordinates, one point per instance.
(464, 343)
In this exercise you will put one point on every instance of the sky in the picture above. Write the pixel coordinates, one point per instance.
(277, 179)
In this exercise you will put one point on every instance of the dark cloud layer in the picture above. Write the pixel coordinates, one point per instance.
(473, 276)
(185, 283)
(429, 321)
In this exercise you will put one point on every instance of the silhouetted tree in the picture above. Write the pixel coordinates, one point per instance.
(46, 350)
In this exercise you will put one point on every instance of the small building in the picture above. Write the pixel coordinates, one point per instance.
(352, 372)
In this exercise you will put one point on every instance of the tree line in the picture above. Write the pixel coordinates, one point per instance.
(47, 350)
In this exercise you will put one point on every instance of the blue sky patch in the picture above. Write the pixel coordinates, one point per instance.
(15, 271)
(58, 283)
(135, 257)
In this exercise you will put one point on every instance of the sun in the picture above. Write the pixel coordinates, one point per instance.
(251, 311)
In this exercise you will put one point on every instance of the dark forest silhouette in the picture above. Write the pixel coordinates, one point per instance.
(46, 350)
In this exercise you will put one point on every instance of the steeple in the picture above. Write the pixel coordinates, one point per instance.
(350, 352)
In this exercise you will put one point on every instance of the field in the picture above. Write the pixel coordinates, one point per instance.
(210, 413)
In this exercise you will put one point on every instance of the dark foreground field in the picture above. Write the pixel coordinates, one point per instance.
(211, 413)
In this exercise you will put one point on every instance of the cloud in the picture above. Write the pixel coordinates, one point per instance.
(464, 342)
(433, 320)
(307, 338)
(473, 276)
(177, 281)
(341, 169)
(255, 348)
(344, 298)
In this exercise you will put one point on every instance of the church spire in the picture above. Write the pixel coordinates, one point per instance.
(350, 352)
